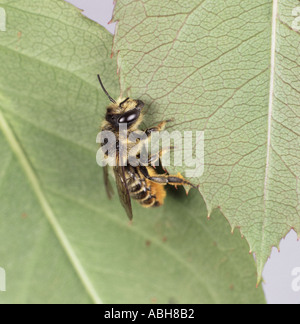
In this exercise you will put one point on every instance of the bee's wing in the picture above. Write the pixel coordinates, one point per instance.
(108, 186)
(123, 190)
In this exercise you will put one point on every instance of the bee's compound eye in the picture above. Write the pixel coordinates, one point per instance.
(122, 120)
(129, 117)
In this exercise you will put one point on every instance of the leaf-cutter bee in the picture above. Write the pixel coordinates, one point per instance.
(141, 183)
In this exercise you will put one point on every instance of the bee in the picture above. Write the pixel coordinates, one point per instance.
(141, 183)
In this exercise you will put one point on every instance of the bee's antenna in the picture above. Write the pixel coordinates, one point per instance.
(105, 91)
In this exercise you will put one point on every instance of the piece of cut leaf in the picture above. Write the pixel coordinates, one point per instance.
(230, 69)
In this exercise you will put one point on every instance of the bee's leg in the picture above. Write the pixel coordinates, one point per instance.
(154, 159)
(166, 179)
(160, 127)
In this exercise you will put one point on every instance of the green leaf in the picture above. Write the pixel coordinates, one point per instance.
(61, 240)
(230, 69)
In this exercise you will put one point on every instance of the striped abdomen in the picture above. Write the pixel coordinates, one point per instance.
(147, 193)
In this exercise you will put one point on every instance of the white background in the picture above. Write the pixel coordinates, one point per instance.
(280, 284)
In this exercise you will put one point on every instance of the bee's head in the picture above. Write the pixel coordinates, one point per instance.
(126, 111)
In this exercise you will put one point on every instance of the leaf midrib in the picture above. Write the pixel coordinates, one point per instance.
(50, 215)
(270, 119)
(271, 92)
